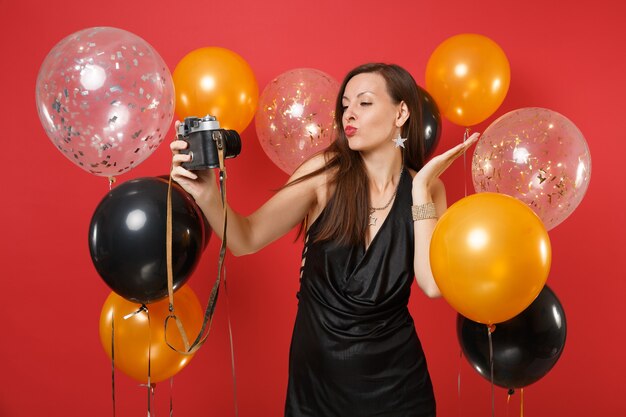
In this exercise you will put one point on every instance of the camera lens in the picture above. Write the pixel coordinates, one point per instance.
(232, 143)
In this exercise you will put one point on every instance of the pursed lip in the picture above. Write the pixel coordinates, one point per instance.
(350, 130)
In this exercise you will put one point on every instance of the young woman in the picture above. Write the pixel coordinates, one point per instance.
(368, 205)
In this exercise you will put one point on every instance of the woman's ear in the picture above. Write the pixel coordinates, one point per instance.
(403, 114)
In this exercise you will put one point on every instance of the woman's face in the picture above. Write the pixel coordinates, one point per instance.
(369, 114)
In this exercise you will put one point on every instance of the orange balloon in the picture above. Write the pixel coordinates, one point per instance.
(490, 256)
(134, 335)
(218, 82)
(468, 75)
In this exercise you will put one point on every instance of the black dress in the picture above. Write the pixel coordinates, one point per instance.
(354, 351)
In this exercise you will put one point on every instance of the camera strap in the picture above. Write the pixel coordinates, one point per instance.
(210, 309)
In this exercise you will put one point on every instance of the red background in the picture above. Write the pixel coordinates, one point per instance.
(564, 56)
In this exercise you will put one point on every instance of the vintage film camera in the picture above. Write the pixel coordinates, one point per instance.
(204, 136)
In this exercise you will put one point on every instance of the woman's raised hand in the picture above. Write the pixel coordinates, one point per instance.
(438, 164)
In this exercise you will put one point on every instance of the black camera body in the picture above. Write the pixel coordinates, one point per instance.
(204, 136)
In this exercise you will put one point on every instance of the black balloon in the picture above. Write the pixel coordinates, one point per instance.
(127, 238)
(431, 122)
(525, 348)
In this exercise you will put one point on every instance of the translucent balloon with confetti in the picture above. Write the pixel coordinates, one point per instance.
(295, 116)
(537, 156)
(105, 98)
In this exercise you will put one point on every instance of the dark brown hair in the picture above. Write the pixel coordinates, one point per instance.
(345, 220)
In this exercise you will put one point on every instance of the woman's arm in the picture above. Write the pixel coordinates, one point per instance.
(428, 188)
(248, 234)
(423, 231)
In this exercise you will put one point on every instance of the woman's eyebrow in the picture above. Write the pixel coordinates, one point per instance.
(358, 95)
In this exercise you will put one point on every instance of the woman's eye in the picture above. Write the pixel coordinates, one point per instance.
(344, 108)
(366, 103)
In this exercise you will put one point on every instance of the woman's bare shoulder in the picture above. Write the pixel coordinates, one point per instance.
(321, 183)
(312, 164)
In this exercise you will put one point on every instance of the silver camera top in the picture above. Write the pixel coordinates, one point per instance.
(196, 124)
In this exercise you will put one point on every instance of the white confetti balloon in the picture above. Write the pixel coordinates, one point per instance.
(105, 98)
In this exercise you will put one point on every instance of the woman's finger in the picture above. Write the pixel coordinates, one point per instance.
(453, 153)
(179, 158)
(178, 145)
(180, 171)
(462, 147)
(473, 137)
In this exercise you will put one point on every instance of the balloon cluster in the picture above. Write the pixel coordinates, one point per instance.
(127, 242)
(127, 236)
(106, 100)
(490, 252)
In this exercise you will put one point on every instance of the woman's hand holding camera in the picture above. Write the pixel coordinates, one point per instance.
(200, 184)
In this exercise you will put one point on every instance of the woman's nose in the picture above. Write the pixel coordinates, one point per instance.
(348, 114)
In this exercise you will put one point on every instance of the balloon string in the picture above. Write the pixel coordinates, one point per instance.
(113, 359)
(151, 390)
(141, 309)
(172, 396)
(111, 182)
(232, 350)
(465, 136)
(150, 385)
(144, 309)
(458, 387)
(521, 395)
(508, 400)
(490, 329)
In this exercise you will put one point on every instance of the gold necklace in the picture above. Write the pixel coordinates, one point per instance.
(372, 218)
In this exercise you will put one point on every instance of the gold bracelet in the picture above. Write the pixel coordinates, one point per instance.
(424, 211)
